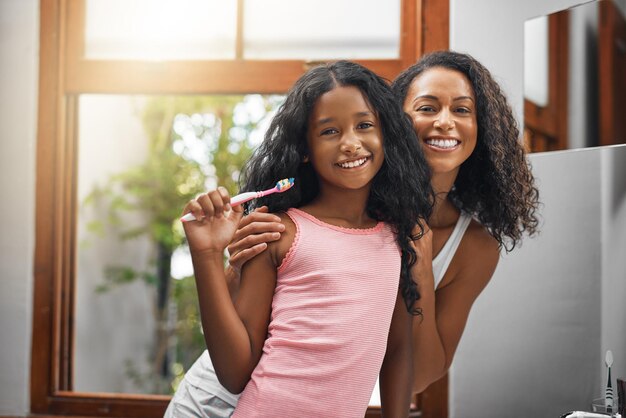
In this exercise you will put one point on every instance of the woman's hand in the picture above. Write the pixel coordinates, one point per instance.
(215, 224)
(254, 232)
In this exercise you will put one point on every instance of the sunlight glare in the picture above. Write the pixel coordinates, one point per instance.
(160, 29)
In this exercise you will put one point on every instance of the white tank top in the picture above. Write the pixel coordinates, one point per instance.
(443, 259)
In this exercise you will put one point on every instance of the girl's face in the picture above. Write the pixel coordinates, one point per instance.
(442, 104)
(344, 139)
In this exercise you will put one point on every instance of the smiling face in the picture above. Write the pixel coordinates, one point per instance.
(442, 105)
(345, 140)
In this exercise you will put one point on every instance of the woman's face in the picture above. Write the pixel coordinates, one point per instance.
(442, 105)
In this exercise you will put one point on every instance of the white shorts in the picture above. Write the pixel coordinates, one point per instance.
(192, 402)
(200, 394)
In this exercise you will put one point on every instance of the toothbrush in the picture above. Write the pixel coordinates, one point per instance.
(281, 186)
(608, 394)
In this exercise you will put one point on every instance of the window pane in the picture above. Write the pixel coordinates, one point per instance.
(160, 29)
(140, 159)
(322, 29)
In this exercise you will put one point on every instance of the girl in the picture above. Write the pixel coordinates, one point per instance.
(485, 199)
(329, 302)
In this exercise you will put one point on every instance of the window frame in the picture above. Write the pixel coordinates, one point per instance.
(206, 76)
(63, 76)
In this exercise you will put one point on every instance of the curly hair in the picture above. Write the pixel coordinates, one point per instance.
(495, 183)
(400, 193)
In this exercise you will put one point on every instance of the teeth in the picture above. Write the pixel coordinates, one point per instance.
(352, 164)
(442, 143)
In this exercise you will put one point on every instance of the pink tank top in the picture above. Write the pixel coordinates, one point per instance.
(335, 294)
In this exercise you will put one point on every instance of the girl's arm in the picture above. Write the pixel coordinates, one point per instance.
(437, 333)
(396, 371)
(234, 334)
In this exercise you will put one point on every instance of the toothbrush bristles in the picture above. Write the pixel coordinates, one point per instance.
(285, 184)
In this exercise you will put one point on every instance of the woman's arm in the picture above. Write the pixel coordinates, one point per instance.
(396, 371)
(234, 334)
(445, 311)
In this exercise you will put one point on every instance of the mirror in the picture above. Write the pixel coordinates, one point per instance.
(575, 76)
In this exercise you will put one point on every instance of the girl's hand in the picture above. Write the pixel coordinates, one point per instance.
(216, 222)
(254, 232)
(423, 247)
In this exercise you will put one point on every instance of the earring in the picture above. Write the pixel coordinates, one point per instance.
(305, 159)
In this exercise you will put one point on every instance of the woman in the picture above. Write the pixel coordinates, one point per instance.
(485, 199)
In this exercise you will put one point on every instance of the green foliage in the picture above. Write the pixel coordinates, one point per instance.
(193, 142)
(160, 186)
(118, 275)
(190, 341)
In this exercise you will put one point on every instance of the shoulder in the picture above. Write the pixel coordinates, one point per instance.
(476, 258)
(481, 241)
(277, 250)
(290, 226)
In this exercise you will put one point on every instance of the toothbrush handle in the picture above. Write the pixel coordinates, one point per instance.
(188, 217)
(608, 393)
(234, 201)
(244, 197)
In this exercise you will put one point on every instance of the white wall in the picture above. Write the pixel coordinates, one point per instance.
(535, 340)
(614, 259)
(493, 32)
(19, 52)
(533, 336)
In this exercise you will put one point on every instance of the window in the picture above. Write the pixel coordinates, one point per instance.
(84, 66)
(140, 158)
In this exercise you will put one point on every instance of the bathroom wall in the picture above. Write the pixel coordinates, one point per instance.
(19, 52)
(535, 340)
(614, 258)
(532, 341)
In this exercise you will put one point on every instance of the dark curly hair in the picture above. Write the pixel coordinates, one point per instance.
(400, 193)
(495, 183)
